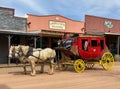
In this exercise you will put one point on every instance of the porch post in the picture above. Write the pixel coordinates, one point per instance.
(35, 41)
(118, 45)
(9, 44)
(40, 34)
(40, 42)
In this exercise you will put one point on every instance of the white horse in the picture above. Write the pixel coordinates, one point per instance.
(32, 56)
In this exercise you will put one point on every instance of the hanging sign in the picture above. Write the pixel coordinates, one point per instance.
(108, 24)
(57, 25)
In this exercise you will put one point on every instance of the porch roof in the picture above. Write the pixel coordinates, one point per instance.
(13, 32)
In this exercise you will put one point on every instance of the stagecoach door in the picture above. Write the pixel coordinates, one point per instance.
(83, 47)
(95, 48)
(89, 48)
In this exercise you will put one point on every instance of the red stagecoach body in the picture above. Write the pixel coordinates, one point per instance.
(85, 52)
(90, 48)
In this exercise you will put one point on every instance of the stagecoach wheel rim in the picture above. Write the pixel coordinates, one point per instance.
(89, 65)
(107, 61)
(62, 67)
(79, 65)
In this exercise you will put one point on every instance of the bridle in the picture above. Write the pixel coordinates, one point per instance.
(19, 52)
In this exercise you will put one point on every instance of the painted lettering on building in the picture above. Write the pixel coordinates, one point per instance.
(57, 25)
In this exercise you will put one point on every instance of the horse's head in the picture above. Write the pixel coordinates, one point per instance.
(18, 51)
(12, 51)
(21, 50)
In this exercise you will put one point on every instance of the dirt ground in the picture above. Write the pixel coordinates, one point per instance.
(96, 78)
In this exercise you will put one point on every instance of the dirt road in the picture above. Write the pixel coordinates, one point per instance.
(96, 78)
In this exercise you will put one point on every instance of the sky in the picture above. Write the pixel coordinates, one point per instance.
(73, 9)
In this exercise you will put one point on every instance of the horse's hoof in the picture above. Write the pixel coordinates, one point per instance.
(32, 74)
(55, 65)
(41, 71)
(50, 73)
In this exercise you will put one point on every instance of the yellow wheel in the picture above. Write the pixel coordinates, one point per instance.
(89, 65)
(107, 61)
(79, 65)
(63, 67)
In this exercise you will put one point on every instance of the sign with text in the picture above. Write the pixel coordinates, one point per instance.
(57, 25)
(108, 24)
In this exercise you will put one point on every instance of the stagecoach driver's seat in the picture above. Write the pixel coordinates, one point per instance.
(66, 42)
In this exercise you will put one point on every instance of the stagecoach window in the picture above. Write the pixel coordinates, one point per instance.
(85, 45)
(94, 43)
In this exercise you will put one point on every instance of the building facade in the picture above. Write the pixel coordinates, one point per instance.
(10, 22)
(110, 28)
(52, 27)
(13, 31)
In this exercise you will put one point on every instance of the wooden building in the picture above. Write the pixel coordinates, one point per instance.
(13, 31)
(52, 27)
(110, 28)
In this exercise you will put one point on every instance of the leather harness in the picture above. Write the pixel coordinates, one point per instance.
(30, 53)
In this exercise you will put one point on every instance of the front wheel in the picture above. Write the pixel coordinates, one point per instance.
(107, 61)
(79, 65)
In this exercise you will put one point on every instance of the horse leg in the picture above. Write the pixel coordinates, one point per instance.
(33, 72)
(52, 67)
(24, 67)
(42, 68)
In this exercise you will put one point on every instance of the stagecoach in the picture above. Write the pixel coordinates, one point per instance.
(85, 53)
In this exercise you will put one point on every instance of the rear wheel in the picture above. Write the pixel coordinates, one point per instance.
(79, 65)
(107, 61)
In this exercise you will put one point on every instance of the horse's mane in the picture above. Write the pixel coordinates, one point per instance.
(24, 48)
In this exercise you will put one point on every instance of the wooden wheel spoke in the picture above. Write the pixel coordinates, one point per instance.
(79, 65)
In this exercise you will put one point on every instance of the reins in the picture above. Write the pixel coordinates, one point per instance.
(29, 53)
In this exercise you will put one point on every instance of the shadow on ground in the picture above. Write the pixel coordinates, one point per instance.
(3, 86)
